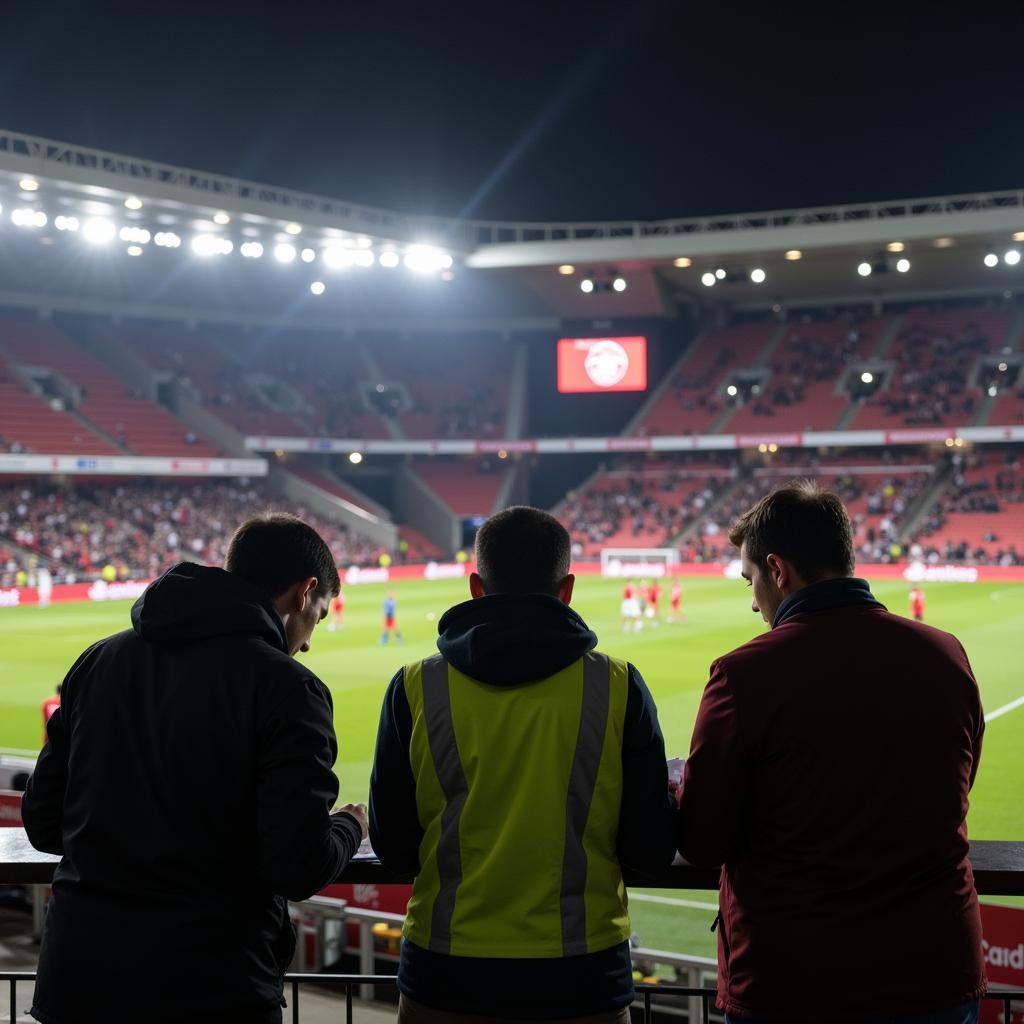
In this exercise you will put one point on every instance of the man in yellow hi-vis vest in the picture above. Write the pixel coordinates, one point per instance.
(514, 772)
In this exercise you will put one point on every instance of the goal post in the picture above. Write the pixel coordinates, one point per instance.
(640, 562)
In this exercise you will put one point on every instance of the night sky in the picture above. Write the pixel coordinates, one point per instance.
(537, 110)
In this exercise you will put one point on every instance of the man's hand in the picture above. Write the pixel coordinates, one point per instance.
(358, 811)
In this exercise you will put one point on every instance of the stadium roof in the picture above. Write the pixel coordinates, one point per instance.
(898, 250)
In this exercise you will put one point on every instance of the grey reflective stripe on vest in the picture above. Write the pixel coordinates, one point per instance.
(582, 781)
(437, 710)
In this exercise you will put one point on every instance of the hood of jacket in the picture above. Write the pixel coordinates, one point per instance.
(196, 602)
(508, 639)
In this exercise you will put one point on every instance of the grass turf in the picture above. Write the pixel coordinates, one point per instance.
(37, 646)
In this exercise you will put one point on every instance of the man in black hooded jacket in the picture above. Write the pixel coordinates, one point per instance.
(187, 781)
(513, 774)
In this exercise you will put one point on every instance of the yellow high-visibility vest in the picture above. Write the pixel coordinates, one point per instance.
(518, 790)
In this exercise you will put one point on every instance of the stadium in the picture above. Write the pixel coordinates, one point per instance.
(181, 350)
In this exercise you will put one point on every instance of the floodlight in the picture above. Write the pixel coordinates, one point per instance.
(134, 250)
(355, 458)
(1003, 367)
(221, 217)
(167, 239)
(991, 259)
(732, 390)
(895, 247)
(992, 391)
(362, 242)
(389, 258)
(864, 269)
(619, 284)
(133, 203)
(293, 228)
(26, 217)
(28, 185)
(425, 259)
(773, 447)
(1018, 236)
(363, 257)
(708, 279)
(902, 266)
(139, 236)
(63, 223)
(99, 231)
(587, 285)
(318, 287)
(867, 377)
(1012, 257)
(211, 245)
(682, 262)
(307, 255)
(251, 250)
(757, 275)
(943, 243)
(337, 257)
(720, 274)
(284, 252)
(566, 269)
(793, 254)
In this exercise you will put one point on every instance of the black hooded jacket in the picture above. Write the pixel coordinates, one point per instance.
(507, 640)
(187, 780)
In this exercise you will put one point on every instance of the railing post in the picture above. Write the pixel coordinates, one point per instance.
(695, 1004)
(366, 957)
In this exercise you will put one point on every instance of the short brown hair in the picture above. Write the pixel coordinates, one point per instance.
(802, 523)
(275, 550)
(522, 550)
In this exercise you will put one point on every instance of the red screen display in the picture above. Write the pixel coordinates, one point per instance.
(602, 364)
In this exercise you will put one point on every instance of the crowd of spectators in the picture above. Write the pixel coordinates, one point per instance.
(136, 531)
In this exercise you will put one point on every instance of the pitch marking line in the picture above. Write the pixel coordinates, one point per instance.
(671, 901)
(1005, 709)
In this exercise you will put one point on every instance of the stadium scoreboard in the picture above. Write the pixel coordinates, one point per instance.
(602, 364)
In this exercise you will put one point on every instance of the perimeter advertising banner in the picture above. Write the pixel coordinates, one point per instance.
(602, 364)
(1003, 949)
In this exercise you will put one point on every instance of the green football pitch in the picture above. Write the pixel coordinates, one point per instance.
(38, 645)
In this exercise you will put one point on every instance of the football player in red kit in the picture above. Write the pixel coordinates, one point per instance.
(917, 603)
(675, 605)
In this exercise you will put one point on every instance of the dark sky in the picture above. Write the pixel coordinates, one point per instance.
(537, 110)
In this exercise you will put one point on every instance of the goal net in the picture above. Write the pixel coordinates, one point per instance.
(653, 562)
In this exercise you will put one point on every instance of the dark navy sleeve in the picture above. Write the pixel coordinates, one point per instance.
(646, 839)
(395, 831)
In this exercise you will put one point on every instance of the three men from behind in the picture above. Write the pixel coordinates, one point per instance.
(829, 773)
(513, 773)
(187, 782)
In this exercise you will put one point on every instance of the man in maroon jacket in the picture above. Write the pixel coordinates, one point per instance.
(828, 774)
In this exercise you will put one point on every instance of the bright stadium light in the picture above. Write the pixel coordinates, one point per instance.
(793, 254)
(134, 250)
(99, 231)
(1003, 367)
(28, 185)
(355, 458)
(708, 279)
(902, 266)
(389, 258)
(864, 269)
(363, 258)
(133, 203)
(63, 223)
(251, 250)
(307, 255)
(992, 391)
(26, 217)
(138, 236)
(338, 257)
(757, 275)
(895, 247)
(1018, 236)
(720, 274)
(943, 243)
(221, 217)
(362, 242)
(318, 287)
(1012, 257)
(211, 245)
(867, 377)
(682, 262)
(167, 240)
(587, 285)
(284, 252)
(293, 228)
(619, 284)
(732, 390)
(566, 269)
(425, 259)
(991, 259)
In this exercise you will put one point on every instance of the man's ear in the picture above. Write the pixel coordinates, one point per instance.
(476, 586)
(565, 589)
(305, 591)
(778, 571)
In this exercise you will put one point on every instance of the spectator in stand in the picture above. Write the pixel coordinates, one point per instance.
(836, 811)
(202, 796)
(494, 784)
